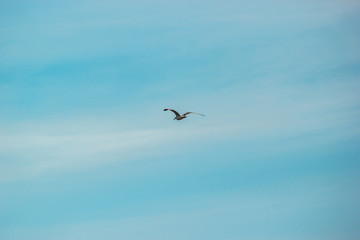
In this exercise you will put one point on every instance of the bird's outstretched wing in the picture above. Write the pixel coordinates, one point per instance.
(195, 113)
(176, 113)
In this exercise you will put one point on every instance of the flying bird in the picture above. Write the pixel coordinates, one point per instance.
(180, 117)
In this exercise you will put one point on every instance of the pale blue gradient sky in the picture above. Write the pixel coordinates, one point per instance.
(86, 151)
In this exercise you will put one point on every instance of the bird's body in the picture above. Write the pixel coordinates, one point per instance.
(180, 117)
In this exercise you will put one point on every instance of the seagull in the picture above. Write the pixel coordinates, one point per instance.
(180, 117)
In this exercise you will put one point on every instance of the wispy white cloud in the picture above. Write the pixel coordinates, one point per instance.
(244, 113)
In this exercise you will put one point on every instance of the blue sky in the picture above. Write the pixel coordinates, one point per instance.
(87, 152)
